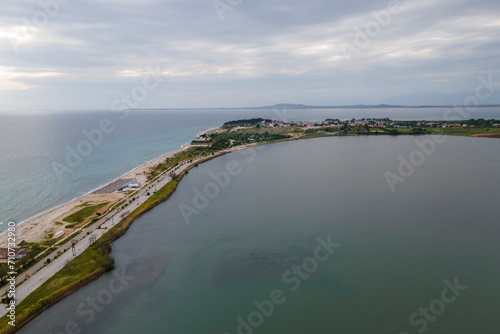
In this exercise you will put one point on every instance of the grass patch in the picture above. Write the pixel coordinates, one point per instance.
(68, 238)
(263, 130)
(89, 265)
(466, 132)
(86, 267)
(179, 157)
(117, 205)
(91, 222)
(79, 216)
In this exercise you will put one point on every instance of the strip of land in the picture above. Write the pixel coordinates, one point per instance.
(91, 223)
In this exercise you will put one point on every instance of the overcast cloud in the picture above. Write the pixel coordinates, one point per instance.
(261, 53)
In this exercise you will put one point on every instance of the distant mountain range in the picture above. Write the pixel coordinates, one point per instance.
(290, 106)
(357, 106)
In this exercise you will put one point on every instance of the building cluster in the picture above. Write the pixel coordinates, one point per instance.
(363, 122)
(371, 122)
(443, 125)
(18, 253)
(129, 185)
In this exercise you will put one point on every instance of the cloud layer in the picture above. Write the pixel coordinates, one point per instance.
(83, 54)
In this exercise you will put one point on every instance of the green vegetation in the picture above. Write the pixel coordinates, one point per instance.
(418, 131)
(253, 134)
(68, 238)
(26, 261)
(363, 126)
(467, 132)
(245, 122)
(186, 155)
(83, 269)
(117, 205)
(91, 222)
(79, 216)
(96, 259)
(226, 140)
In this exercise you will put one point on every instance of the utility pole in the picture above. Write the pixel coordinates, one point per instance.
(73, 249)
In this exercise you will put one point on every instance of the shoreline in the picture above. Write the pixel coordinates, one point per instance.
(104, 243)
(34, 228)
(45, 220)
(125, 224)
(106, 240)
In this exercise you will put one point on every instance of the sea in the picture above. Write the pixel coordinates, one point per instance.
(39, 170)
(308, 237)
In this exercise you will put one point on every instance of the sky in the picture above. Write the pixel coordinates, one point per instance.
(107, 54)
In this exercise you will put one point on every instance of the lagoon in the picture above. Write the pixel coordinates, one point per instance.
(32, 142)
(397, 251)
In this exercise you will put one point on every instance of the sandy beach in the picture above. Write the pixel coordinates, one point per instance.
(38, 227)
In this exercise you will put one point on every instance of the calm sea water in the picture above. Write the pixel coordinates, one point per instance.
(30, 144)
(396, 251)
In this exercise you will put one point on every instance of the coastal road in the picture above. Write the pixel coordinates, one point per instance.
(41, 272)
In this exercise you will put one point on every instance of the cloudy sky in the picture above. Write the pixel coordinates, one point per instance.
(69, 54)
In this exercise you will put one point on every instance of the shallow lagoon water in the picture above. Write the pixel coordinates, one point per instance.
(31, 142)
(396, 248)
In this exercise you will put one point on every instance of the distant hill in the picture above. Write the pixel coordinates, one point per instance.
(357, 106)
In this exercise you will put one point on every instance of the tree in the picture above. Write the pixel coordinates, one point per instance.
(220, 143)
(417, 131)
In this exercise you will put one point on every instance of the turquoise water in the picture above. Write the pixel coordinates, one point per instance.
(30, 144)
(396, 250)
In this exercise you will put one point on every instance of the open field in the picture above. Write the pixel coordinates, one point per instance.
(261, 130)
(467, 132)
(84, 214)
(84, 268)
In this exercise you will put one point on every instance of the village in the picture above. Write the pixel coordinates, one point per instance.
(379, 123)
(259, 130)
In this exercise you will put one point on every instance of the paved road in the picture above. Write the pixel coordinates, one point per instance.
(40, 273)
